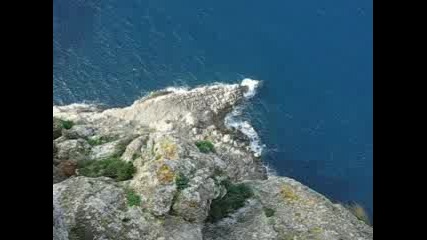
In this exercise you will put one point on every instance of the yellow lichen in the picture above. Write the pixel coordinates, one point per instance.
(288, 193)
(169, 149)
(288, 237)
(193, 204)
(316, 230)
(165, 174)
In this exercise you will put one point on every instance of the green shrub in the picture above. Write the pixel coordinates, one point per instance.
(133, 199)
(233, 200)
(111, 167)
(67, 124)
(101, 140)
(95, 142)
(205, 146)
(181, 181)
(269, 212)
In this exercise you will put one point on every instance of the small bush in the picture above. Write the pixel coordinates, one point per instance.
(100, 140)
(133, 199)
(358, 211)
(181, 181)
(67, 124)
(205, 146)
(110, 167)
(95, 142)
(234, 199)
(269, 212)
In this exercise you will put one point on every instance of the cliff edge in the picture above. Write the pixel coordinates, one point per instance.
(168, 167)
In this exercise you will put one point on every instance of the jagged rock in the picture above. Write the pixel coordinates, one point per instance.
(175, 183)
(114, 148)
(105, 150)
(164, 159)
(192, 203)
(55, 150)
(58, 175)
(133, 150)
(96, 209)
(162, 200)
(303, 213)
(79, 131)
(60, 231)
(75, 149)
(57, 128)
(178, 229)
(201, 107)
(249, 223)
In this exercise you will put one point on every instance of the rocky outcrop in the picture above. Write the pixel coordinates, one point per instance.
(97, 209)
(296, 212)
(57, 128)
(173, 185)
(60, 231)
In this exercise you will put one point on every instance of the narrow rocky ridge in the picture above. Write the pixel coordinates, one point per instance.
(192, 177)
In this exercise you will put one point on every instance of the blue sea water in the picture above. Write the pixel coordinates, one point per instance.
(314, 109)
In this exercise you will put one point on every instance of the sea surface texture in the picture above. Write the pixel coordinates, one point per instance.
(312, 109)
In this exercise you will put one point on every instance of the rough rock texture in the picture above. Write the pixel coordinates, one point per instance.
(60, 231)
(73, 149)
(171, 192)
(309, 214)
(58, 175)
(299, 213)
(96, 209)
(79, 131)
(249, 223)
(57, 128)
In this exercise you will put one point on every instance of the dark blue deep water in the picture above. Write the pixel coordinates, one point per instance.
(314, 109)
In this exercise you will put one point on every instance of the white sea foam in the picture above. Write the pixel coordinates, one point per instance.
(234, 119)
(252, 86)
(183, 89)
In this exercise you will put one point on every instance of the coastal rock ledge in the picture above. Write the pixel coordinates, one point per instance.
(168, 168)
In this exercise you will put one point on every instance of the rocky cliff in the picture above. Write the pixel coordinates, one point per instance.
(167, 167)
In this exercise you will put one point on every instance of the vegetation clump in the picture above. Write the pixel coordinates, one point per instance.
(100, 140)
(205, 146)
(133, 199)
(111, 167)
(181, 181)
(67, 124)
(236, 196)
(269, 212)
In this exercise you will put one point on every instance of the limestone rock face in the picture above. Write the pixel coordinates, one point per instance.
(60, 231)
(73, 149)
(96, 209)
(57, 128)
(249, 223)
(171, 194)
(298, 213)
(58, 175)
(79, 131)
